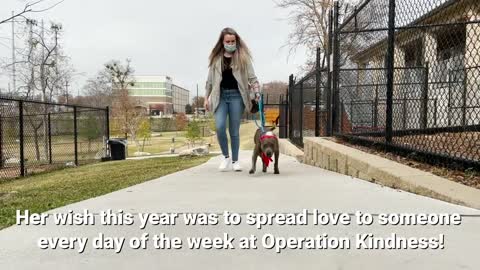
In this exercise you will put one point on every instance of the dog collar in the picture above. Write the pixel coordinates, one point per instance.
(267, 136)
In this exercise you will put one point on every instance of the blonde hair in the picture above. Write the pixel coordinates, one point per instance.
(240, 57)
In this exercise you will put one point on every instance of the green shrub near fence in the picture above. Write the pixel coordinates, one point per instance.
(163, 124)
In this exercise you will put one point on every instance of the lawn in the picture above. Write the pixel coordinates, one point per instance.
(47, 191)
(158, 143)
(247, 132)
(161, 143)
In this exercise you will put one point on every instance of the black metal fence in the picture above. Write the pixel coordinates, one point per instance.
(404, 74)
(308, 100)
(38, 136)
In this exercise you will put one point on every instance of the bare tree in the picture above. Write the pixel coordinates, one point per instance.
(31, 7)
(128, 114)
(42, 70)
(121, 75)
(98, 90)
(197, 102)
(310, 19)
(273, 90)
(126, 110)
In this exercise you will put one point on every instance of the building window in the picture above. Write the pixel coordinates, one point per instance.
(414, 54)
(451, 42)
(451, 52)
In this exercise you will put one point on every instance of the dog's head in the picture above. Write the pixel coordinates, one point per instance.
(267, 143)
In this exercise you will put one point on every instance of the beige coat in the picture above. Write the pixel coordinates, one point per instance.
(246, 79)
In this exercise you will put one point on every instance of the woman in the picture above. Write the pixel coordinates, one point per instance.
(231, 85)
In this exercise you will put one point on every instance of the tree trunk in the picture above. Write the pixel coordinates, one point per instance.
(133, 136)
(45, 134)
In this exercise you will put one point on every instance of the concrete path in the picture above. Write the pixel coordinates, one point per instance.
(203, 189)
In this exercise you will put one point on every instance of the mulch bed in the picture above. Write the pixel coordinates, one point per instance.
(467, 177)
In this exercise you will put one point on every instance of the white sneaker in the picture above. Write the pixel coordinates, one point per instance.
(237, 167)
(225, 164)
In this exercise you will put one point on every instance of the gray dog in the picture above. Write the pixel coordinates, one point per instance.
(265, 146)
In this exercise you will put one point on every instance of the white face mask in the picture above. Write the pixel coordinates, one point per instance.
(230, 47)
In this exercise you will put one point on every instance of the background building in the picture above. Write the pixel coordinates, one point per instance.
(159, 95)
(181, 98)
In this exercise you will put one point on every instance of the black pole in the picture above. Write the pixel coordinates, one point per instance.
(290, 109)
(328, 100)
(375, 108)
(335, 74)
(404, 112)
(318, 79)
(390, 70)
(75, 134)
(50, 139)
(424, 113)
(464, 101)
(107, 122)
(301, 113)
(22, 153)
(1, 142)
(449, 112)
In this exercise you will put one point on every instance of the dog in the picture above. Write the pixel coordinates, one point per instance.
(266, 145)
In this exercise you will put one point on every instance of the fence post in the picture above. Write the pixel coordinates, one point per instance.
(75, 132)
(1, 142)
(464, 100)
(375, 107)
(301, 114)
(318, 79)
(390, 70)
(22, 153)
(424, 113)
(49, 139)
(290, 109)
(404, 112)
(328, 101)
(107, 122)
(335, 74)
(449, 102)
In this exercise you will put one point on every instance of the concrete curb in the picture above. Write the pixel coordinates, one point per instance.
(335, 157)
(289, 149)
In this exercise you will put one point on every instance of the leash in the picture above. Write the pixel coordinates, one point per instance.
(262, 115)
(265, 159)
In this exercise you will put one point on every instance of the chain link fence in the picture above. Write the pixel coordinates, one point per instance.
(39, 136)
(404, 74)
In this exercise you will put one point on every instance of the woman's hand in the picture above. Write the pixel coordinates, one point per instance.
(257, 97)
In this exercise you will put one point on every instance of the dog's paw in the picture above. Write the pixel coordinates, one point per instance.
(251, 172)
(264, 170)
(276, 172)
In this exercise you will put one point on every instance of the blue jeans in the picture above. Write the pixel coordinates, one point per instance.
(231, 104)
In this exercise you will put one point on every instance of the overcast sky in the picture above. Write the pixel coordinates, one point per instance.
(164, 37)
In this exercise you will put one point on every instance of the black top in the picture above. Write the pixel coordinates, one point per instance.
(228, 80)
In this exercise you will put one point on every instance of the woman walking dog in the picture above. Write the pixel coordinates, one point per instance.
(230, 88)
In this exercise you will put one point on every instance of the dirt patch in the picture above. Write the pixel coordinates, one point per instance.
(467, 177)
(464, 145)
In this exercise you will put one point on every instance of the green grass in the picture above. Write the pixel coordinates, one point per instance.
(247, 132)
(157, 145)
(47, 191)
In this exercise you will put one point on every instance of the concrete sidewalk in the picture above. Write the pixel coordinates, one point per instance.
(204, 189)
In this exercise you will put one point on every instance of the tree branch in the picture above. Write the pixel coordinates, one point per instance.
(29, 9)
